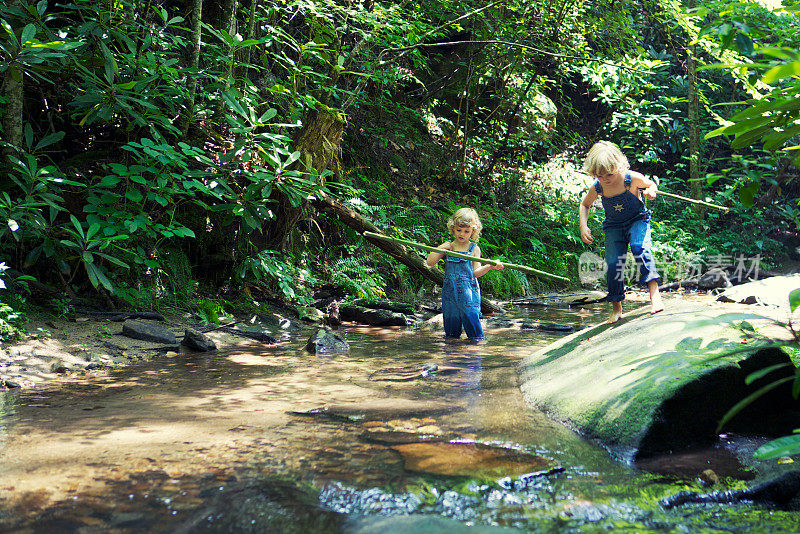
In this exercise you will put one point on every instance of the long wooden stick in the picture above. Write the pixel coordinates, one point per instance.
(685, 199)
(523, 268)
(692, 200)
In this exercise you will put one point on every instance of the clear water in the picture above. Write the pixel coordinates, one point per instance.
(208, 443)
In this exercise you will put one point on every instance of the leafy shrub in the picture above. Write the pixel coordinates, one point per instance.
(357, 279)
(10, 321)
(278, 274)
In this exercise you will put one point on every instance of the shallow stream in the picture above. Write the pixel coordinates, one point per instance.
(214, 443)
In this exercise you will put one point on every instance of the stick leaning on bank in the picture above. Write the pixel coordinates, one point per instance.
(523, 268)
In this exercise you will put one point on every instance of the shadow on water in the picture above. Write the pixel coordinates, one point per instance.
(210, 444)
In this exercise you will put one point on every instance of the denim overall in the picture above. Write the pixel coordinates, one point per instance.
(461, 298)
(627, 222)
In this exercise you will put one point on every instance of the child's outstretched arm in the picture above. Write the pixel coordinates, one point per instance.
(482, 268)
(434, 257)
(643, 184)
(583, 215)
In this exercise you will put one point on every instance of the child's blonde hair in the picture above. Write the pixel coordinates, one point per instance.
(605, 157)
(466, 217)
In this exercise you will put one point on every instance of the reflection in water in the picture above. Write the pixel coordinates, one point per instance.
(208, 443)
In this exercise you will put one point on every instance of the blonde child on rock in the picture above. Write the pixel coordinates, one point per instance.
(461, 294)
(627, 222)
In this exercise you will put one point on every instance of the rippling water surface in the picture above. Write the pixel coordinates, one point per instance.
(214, 443)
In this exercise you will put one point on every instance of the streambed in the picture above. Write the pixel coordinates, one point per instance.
(215, 443)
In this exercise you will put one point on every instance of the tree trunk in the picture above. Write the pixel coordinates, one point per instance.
(12, 90)
(414, 261)
(695, 185)
(252, 31)
(227, 23)
(320, 144)
(194, 64)
(510, 129)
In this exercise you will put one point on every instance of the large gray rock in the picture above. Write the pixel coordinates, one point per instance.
(773, 291)
(154, 333)
(652, 384)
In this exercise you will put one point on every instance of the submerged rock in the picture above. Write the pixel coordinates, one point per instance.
(412, 372)
(548, 327)
(468, 459)
(395, 437)
(562, 300)
(380, 410)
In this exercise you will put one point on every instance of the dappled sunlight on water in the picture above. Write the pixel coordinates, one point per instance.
(221, 442)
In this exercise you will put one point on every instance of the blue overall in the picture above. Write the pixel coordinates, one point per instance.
(627, 222)
(461, 298)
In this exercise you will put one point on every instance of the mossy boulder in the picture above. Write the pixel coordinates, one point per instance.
(654, 384)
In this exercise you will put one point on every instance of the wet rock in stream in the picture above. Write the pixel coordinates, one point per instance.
(198, 341)
(380, 410)
(397, 437)
(326, 341)
(412, 372)
(782, 492)
(273, 505)
(548, 327)
(468, 459)
(562, 300)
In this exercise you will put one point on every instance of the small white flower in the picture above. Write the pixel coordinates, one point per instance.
(13, 225)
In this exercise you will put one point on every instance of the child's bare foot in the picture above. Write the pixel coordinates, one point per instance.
(616, 313)
(656, 305)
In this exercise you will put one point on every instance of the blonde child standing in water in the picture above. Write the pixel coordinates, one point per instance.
(627, 222)
(461, 294)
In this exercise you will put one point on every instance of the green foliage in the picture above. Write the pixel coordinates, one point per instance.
(770, 119)
(86, 248)
(504, 284)
(643, 104)
(786, 445)
(278, 273)
(357, 280)
(10, 323)
(211, 311)
(10, 320)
